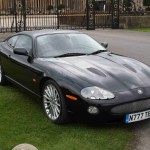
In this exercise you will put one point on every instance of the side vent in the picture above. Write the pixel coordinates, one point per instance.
(96, 71)
(129, 67)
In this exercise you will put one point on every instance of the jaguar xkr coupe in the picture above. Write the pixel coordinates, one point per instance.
(71, 72)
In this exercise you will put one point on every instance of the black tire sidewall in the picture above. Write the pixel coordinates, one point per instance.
(63, 118)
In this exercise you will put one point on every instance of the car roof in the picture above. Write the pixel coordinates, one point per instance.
(46, 31)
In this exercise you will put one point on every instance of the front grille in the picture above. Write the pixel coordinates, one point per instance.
(132, 107)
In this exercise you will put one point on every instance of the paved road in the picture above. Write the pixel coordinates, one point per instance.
(135, 45)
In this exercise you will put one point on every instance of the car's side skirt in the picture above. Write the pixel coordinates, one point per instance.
(18, 84)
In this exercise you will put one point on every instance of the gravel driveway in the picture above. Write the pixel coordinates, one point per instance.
(135, 45)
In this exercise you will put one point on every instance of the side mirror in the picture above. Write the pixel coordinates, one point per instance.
(105, 45)
(20, 51)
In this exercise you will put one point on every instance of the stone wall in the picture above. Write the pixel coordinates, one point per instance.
(148, 13)
(125, 21)
(80, 20)
(134, 22)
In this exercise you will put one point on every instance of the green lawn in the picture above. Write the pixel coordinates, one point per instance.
(141, 29)
(22, 121)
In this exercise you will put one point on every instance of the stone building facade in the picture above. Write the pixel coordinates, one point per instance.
(42, 4)
(138, 4)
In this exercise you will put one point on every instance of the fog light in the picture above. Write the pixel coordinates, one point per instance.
(93, 110)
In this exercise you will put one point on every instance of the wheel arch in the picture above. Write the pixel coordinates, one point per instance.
(44, 80)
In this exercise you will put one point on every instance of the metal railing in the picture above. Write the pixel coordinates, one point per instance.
(18, 15)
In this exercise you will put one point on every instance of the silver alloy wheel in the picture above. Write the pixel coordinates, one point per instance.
(0, 73)
(51, 100)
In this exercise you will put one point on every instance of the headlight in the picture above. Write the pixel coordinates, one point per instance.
(96, 93)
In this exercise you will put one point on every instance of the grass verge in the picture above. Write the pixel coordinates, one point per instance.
(23, 121)
(141, 29)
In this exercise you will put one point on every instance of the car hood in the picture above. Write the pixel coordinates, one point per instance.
(109, 71)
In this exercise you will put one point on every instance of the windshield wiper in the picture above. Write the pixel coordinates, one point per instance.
(70, 54)
(97, 52)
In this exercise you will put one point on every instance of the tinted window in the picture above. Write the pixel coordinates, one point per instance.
(12, 41)
(59, 44)
(24, 42)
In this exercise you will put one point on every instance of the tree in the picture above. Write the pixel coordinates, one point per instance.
(146, 2)
(49, 8)
(61, 6)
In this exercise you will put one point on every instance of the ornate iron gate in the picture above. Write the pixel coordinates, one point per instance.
(19, 15)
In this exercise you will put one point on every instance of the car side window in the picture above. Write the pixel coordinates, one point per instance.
(24, 42)
(12, 41)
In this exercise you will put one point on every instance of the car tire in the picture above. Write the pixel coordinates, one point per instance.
(3, 80)
(54, 103)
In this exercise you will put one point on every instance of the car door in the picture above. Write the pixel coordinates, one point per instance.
(6, 52)
(23, 72)
(20, 72)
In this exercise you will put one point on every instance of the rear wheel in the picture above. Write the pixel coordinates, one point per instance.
(3, 80)
(54, 103)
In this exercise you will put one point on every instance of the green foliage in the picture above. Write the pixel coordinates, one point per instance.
(127, 2)
(61, 6)
(49, 7)
(141, 29)
(146, 2)
(97, 6)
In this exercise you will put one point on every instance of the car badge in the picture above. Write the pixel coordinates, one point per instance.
(140, 91)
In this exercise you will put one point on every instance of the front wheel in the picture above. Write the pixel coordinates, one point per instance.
(54, 103)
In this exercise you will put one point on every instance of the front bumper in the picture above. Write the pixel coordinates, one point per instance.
(125, 102)
(131, 107)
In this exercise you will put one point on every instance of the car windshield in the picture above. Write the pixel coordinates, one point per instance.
(56, 45)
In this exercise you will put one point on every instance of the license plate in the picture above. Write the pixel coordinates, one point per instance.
(137, 116)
